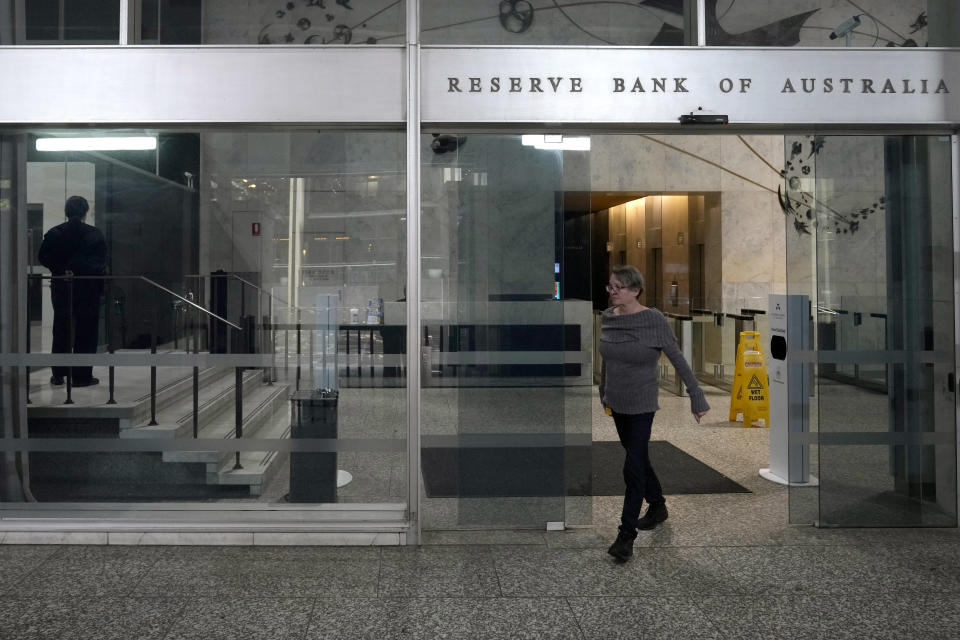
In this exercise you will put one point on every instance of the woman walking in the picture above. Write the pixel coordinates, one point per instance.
(632, 339)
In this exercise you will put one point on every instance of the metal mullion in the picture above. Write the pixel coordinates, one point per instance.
(13, 251)
(955, 162)
(701, 23)
(19, 23)
(124, 23)
(694, 23)
(413, 271)
(130, 20)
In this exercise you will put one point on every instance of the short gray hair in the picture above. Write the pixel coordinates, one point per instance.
(629, 276)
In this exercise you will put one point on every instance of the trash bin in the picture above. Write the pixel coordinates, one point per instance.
(313, 474)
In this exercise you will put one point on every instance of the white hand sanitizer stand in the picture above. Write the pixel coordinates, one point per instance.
(789, 391)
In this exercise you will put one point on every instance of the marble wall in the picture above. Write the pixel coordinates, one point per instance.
(744, 170)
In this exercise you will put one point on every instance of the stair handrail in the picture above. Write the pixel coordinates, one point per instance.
(148, 281)
(228, 274)
(238, 433)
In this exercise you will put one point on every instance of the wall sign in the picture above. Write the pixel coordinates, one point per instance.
(658, 85)
(571, 85)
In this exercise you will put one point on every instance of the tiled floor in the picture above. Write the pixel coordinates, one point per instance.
(539, 585)
(722, 566)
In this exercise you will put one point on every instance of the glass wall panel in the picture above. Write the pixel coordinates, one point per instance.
(519, 22)
(315, 22)
(240, 296)
(829, 23)
(506, 355)
(31, 22)
(870, 243)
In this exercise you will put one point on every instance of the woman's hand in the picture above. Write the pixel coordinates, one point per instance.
(699, 415)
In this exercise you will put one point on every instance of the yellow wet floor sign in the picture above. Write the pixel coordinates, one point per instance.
(750, 396)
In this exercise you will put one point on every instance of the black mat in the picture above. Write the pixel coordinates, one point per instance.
(554, 471)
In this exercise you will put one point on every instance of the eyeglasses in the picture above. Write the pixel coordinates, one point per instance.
(612, 288)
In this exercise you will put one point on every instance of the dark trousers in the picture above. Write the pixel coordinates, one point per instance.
(642, 483)
(85, 319)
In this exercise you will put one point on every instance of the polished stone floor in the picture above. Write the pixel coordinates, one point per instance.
(816, 584)
(722, 566)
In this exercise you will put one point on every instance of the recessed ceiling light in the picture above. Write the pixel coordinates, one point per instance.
(102, 143)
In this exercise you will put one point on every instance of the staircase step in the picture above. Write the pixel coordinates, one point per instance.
(174, 392)
(259, 467)
(260, 405)
(213, 398)
(161, 430)
(133, 407)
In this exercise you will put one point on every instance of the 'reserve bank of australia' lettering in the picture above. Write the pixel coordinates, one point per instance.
(863, 85)
(514, 84)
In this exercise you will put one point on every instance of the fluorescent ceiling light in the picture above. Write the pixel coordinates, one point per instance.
(140, 143)
(556, 142)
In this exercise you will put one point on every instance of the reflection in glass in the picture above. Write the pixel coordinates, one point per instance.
(825, 23)
(286, 22)
(872, 254)
(277, 252)
(505, 353)
(519, 22)
(35, 22)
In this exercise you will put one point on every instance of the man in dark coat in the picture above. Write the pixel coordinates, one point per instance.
(80, 249)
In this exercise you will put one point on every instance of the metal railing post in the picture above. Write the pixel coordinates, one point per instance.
(272, 334)
(299, 350)
(347, 351)
(173, 322)
(27, 368)
(310, 350)
(153, 375)
(196, 381)
(111, 348)
(69, 376)
(238, 418)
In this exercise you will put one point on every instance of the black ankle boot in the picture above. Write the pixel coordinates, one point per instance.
(622, 547)
(654, 516)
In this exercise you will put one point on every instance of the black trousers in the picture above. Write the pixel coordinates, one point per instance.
(642, 483)
(85, 319)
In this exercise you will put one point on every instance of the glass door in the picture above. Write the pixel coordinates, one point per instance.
(869, 237)
(501, 350)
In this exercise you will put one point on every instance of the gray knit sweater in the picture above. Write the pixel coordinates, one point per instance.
(630, 346)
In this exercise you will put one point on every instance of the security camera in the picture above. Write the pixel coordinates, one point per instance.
(444, 142)
(845, 27)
